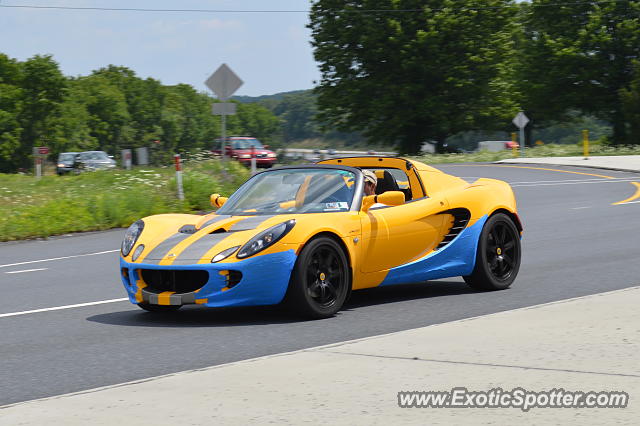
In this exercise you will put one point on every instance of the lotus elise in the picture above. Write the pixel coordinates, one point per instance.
(308, 235)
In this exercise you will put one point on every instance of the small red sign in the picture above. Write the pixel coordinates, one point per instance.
(43, 150)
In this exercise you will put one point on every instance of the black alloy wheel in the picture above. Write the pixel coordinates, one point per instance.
(498, 256)
(321, 279)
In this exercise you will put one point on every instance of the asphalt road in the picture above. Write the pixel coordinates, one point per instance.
(575, 243)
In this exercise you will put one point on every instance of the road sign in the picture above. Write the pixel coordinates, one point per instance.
(224, 82)
(41, 150)
(520, 120)
(224, 108)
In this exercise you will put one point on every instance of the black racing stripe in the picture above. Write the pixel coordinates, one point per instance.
(162, 249)
(251, 223)
(195, 251)
(214, 220)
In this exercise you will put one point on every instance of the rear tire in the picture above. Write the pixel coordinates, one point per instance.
(159, 308)
(498, 255)
(320, 281)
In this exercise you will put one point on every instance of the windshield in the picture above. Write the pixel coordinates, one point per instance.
(67, 157)
(246, 144)
(95, 155)
(293, 191)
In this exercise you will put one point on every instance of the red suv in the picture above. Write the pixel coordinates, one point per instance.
(242, 148)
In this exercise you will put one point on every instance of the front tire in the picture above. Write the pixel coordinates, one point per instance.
(498, 256)
(321, 279)
(159, 308)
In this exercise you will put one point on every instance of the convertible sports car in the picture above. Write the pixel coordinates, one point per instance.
(308, 236)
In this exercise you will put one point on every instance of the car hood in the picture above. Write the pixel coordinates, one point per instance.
(178, 239)
(192, 239)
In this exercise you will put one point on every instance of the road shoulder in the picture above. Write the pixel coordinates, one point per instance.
(623, 163)
(585, 344)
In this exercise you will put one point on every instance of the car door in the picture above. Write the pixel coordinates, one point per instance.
(394, 236)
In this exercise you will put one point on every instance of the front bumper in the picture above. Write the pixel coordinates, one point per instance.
(260, 162)
(264, 282)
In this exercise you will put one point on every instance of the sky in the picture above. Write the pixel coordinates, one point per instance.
(270, 52)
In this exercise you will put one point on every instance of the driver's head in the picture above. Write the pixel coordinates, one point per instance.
(370, 182)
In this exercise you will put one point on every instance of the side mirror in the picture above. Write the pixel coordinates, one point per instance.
(389, 198)
(217, 200)
(265, 146)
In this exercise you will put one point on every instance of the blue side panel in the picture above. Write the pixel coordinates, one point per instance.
(456, 259)
(265, 279)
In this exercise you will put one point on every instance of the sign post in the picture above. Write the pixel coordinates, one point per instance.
(224, 83)
(176, 157)
(39, 155)
(253, 159)
(585, 144)
(126, 159)
(521, 121)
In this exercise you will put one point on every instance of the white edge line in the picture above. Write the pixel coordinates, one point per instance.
(315, 348)
(58, 308)
(58, 258)
(26, 270)
(527, 185)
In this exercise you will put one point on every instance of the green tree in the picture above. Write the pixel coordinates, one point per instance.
(72, 131)
(43, 89)
(144, 100)
(256, 120)
(410, 76)
(10, 105)
(297, 112)
(630, 100)
(579, 56)
(108, 116)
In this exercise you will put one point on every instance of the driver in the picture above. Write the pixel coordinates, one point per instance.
(370, 182)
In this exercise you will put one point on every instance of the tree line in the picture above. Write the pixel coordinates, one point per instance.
(110, 109)
(406, 71)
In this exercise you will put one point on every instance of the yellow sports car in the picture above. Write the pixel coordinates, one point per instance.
(309, 235)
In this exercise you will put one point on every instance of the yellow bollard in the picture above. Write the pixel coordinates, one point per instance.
(514, 147)
(585, 144)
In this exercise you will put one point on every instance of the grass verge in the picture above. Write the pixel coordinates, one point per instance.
(53, 205)
(550, 150)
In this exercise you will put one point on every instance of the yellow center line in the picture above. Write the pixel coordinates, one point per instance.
(633, 197)
(534, 168)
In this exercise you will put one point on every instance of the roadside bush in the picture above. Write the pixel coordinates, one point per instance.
(53, 205)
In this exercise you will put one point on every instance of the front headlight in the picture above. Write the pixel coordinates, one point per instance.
(271, 155)
(62, 165)
(244, 156)
(265, 239)
(131, 236)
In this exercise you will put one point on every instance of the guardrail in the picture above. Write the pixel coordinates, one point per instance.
(322, 154)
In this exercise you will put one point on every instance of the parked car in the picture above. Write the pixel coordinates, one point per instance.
(94, 160)
(241, 149)
(66, 161)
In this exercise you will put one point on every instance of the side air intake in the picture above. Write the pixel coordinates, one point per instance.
(460, 220)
